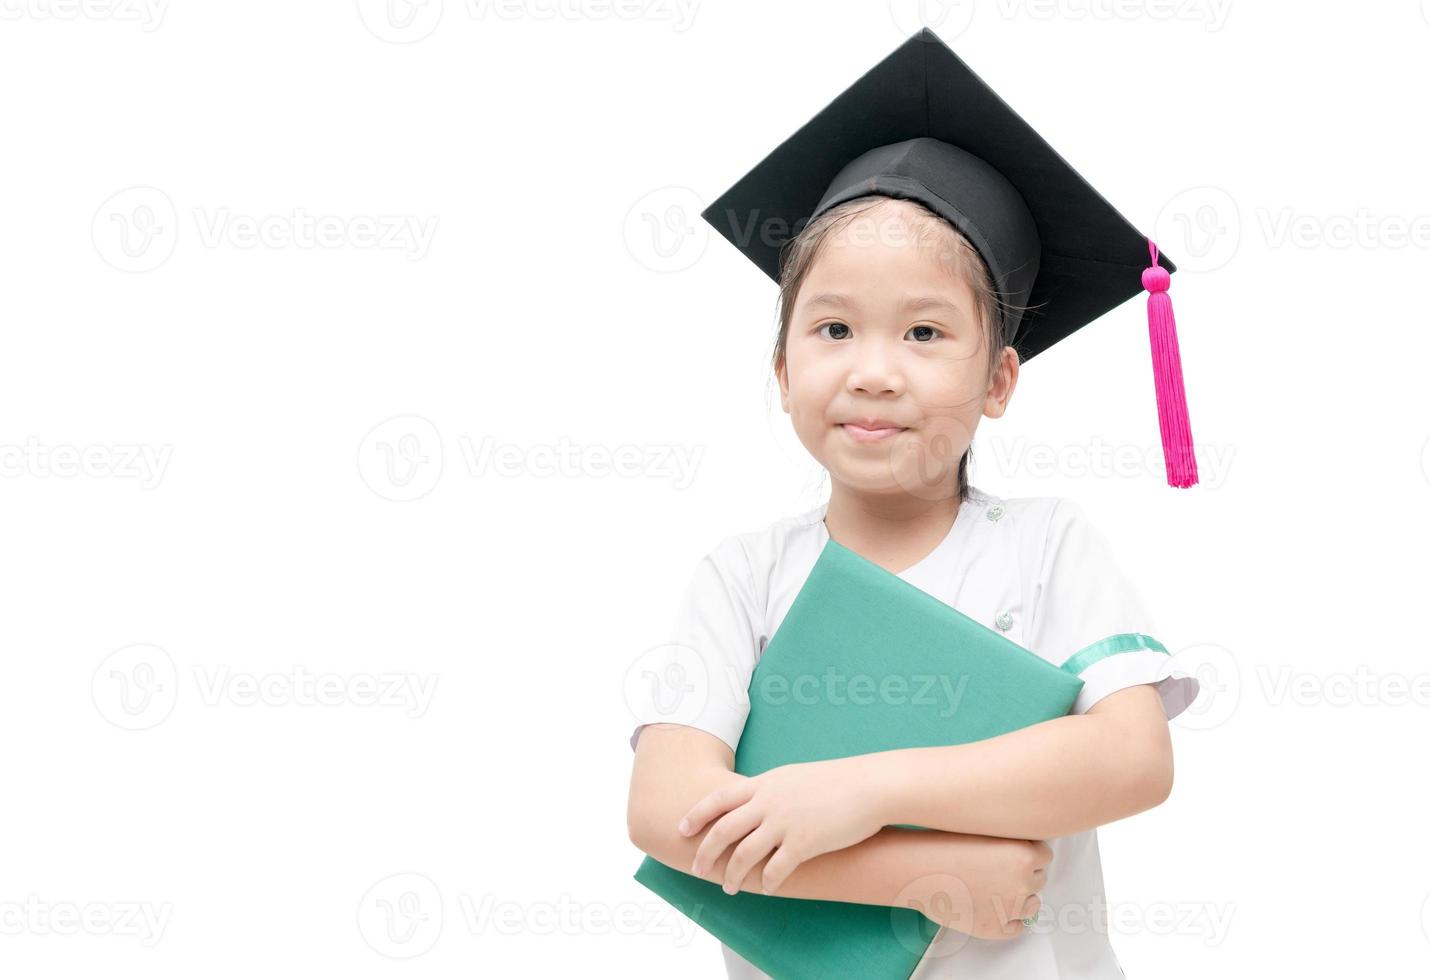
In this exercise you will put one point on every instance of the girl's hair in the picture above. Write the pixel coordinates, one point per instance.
(800, 252)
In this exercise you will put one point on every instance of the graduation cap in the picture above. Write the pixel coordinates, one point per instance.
(920, 125)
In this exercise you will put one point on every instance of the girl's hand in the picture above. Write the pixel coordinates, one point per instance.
(983, 886)
(797, 811)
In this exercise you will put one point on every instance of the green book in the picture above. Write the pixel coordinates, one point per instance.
(863, 662)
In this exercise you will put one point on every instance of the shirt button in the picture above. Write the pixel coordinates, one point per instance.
(995, 512)
(1003, 622)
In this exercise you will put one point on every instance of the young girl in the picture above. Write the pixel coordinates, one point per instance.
(903, 310)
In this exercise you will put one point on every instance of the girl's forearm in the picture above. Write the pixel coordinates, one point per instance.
(895, 867)
(1048, 780)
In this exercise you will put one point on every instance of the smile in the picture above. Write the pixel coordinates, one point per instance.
(860, 434)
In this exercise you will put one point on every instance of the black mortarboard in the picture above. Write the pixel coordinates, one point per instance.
(921, 125)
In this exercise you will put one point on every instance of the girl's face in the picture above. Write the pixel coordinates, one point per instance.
(885, 333)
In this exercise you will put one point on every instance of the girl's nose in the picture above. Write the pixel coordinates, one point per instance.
(875, 370)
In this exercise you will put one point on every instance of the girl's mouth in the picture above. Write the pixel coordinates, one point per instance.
(860, 434)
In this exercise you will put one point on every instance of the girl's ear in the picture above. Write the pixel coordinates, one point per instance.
(782, 373)
(1000, 389)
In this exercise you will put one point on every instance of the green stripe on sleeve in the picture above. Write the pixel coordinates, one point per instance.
(1121, 643)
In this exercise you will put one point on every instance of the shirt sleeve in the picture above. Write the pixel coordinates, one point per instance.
(701, 675)
(1090, 620)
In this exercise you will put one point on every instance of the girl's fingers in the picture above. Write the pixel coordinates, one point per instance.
(750, 852)
(779, 867)
(715, 803)
(724, 832)
(1030, 908)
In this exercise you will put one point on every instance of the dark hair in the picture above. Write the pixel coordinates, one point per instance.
(799, 253)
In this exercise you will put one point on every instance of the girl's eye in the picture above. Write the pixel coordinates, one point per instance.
(925, 326)
(841, 326)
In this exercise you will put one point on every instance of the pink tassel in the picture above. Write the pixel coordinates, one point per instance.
(1167, 371)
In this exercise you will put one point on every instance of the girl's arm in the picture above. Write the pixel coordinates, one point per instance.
(1048, 780)
(977, 885)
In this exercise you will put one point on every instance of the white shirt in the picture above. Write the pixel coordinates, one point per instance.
(1036, 569)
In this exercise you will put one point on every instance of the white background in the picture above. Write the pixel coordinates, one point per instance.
(349, 455)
